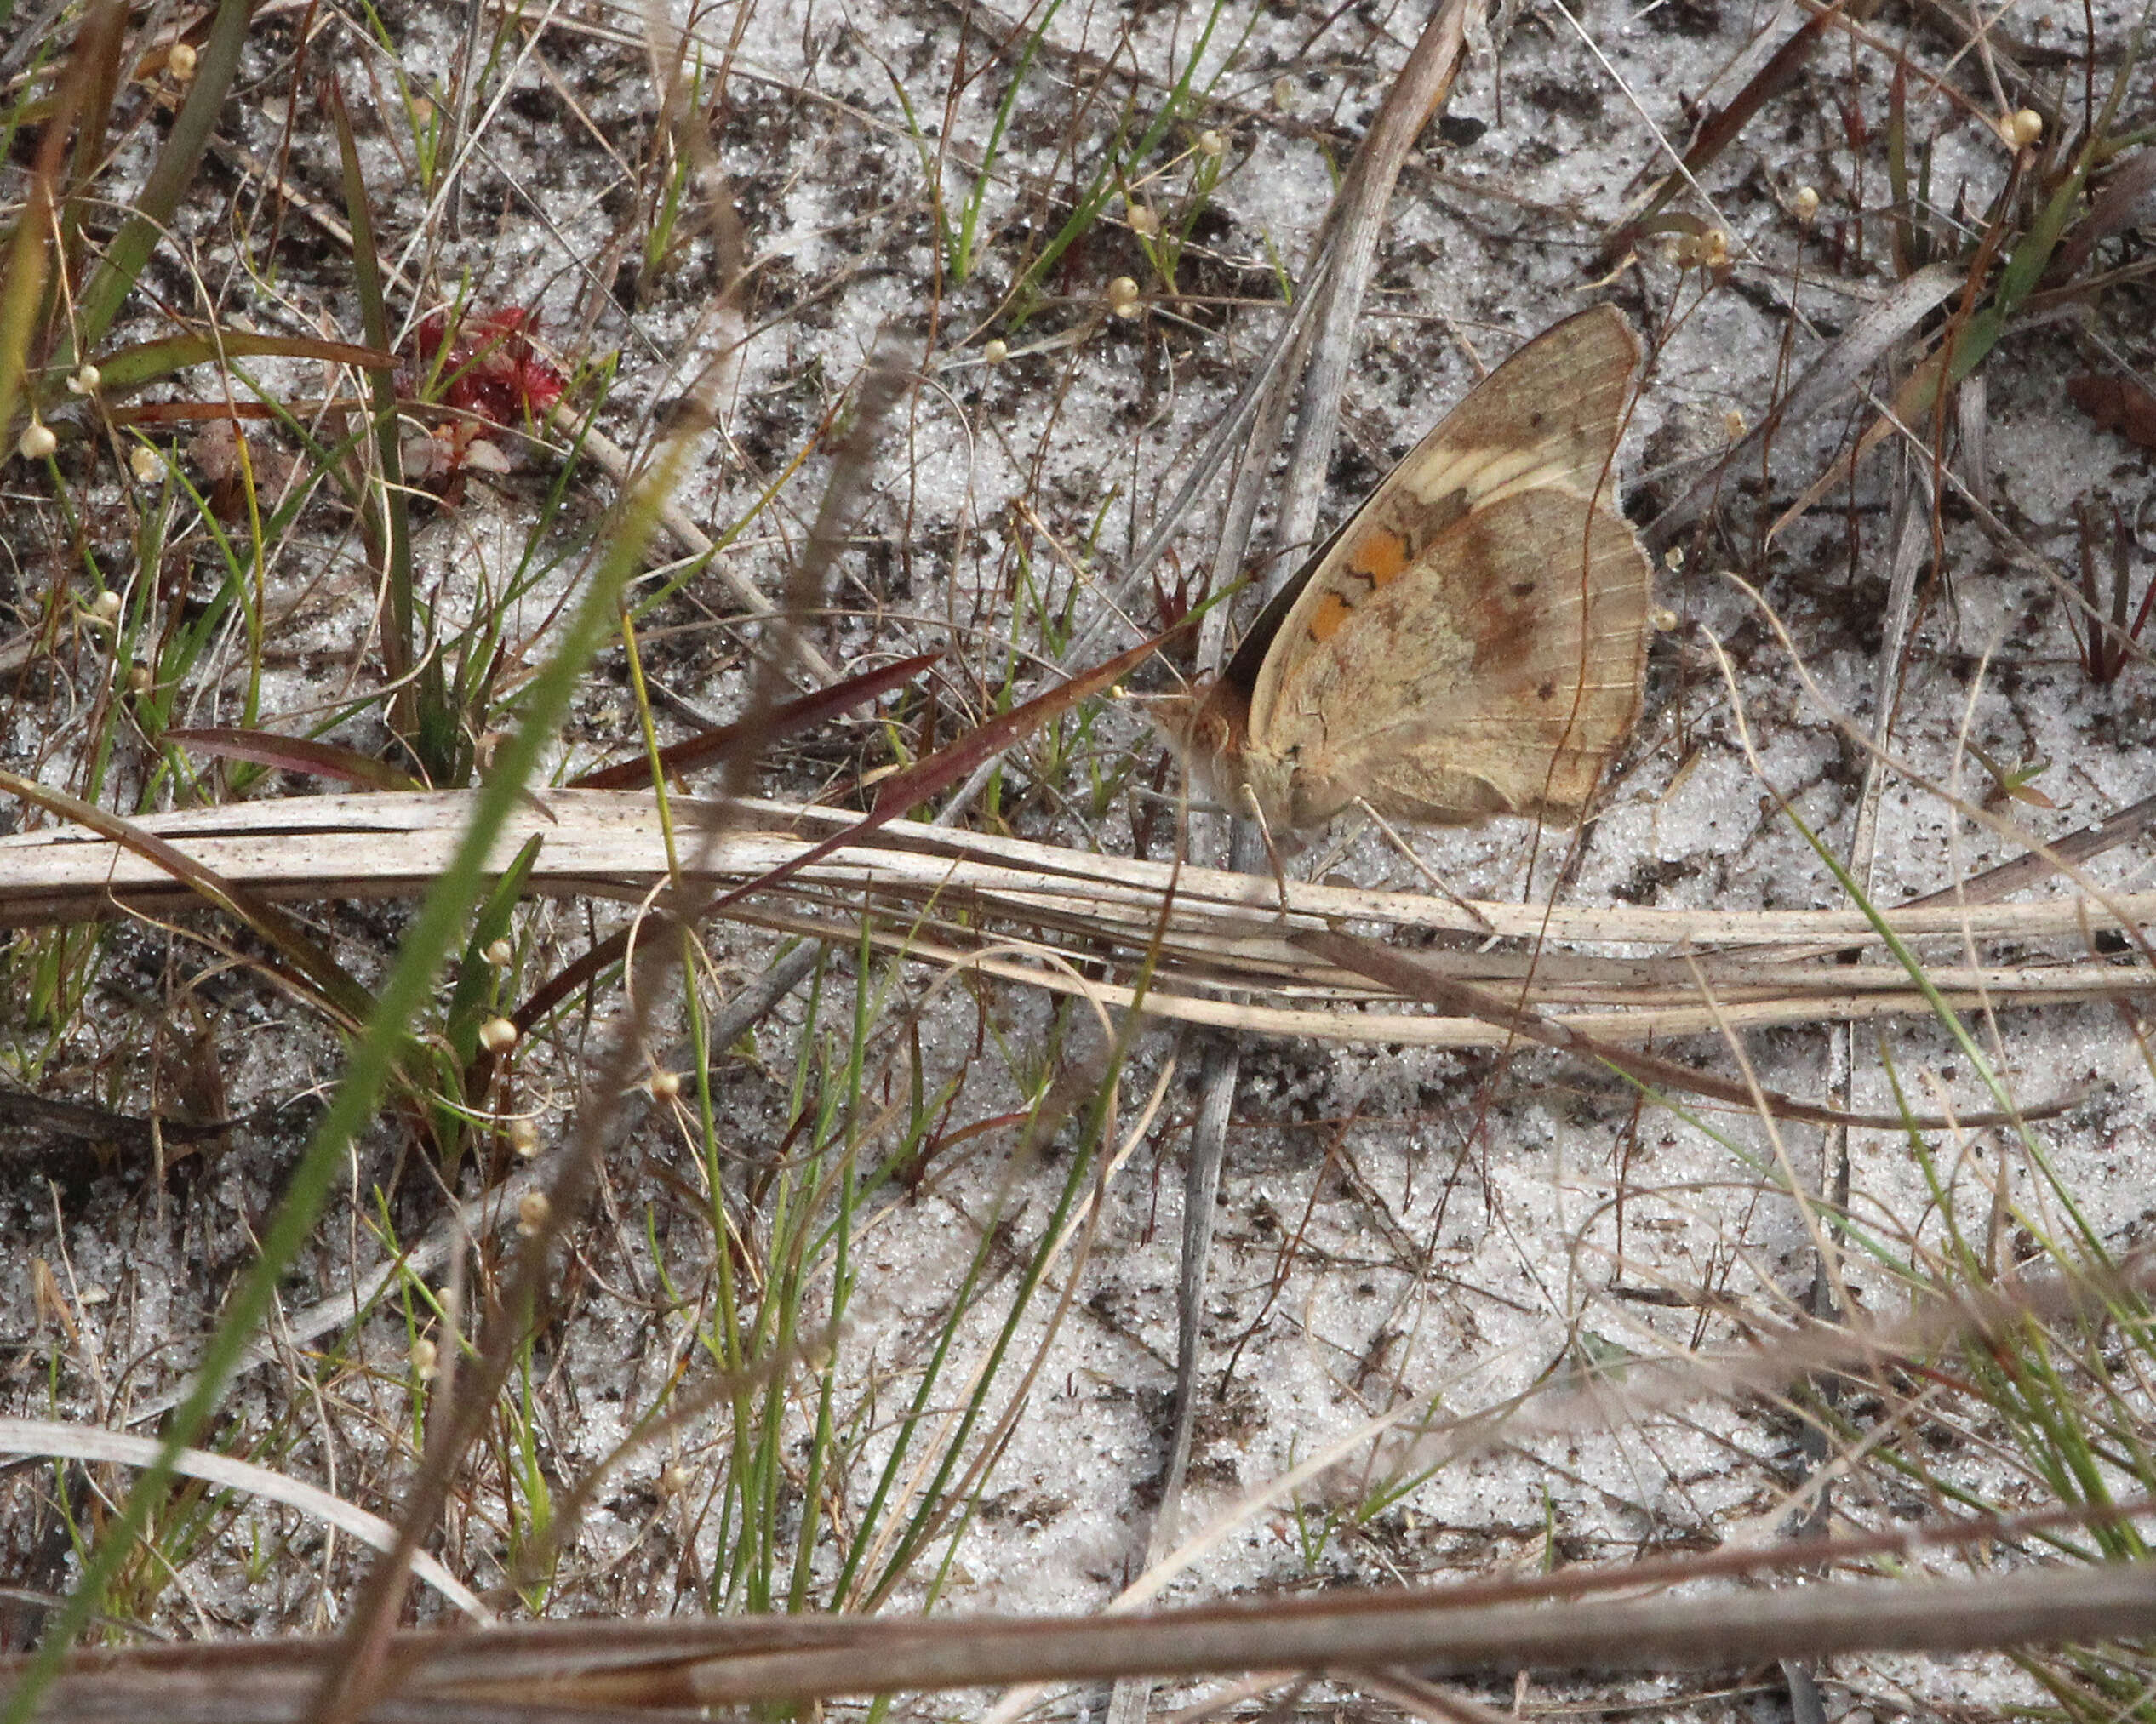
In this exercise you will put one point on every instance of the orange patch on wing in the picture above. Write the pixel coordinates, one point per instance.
(1379, 557)
(1332, 611)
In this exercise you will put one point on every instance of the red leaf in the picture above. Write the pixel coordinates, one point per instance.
(781, 720)
(297, 754)
(902, 790)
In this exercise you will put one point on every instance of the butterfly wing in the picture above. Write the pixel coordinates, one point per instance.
(1473, 640)
(1443, 703)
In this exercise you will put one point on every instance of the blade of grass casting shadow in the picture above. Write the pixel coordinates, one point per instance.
(1855, 351)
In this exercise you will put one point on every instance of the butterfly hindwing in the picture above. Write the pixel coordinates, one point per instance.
(1506, 699)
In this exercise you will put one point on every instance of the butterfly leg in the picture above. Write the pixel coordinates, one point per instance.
(1257, 812)
(1424, 869)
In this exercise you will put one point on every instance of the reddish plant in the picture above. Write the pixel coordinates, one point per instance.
(487, 365)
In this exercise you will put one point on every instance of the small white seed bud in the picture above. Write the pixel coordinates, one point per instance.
(105, 608)
(995, 351)
(499, 953)
(36, 441)
(145, 465)
(85, 380)
(1283, 93)
(1212, 144)
(1733, 425)
(1144, 222)
(423, 1357)
(533, 1211)
(1804, 203)
(180, 61)
(665, 1086)
(2021, 129)
(1123, 297)
(674, 1478)
(140, 680)
(497, 1035)
(523, 1137)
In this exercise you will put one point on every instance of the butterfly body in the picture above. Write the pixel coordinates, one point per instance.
(1472, 641)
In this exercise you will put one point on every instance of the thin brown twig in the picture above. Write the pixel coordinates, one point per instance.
(597, 1671)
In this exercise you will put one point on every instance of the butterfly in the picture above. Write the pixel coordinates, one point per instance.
(1473, 640)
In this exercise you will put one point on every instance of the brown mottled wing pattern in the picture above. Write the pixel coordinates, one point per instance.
(1473, 642)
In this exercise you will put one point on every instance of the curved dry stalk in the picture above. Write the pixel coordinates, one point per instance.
(953, 895)
(1341, 276)
(1835, 371)
(619, 1670)
(54, 1439)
